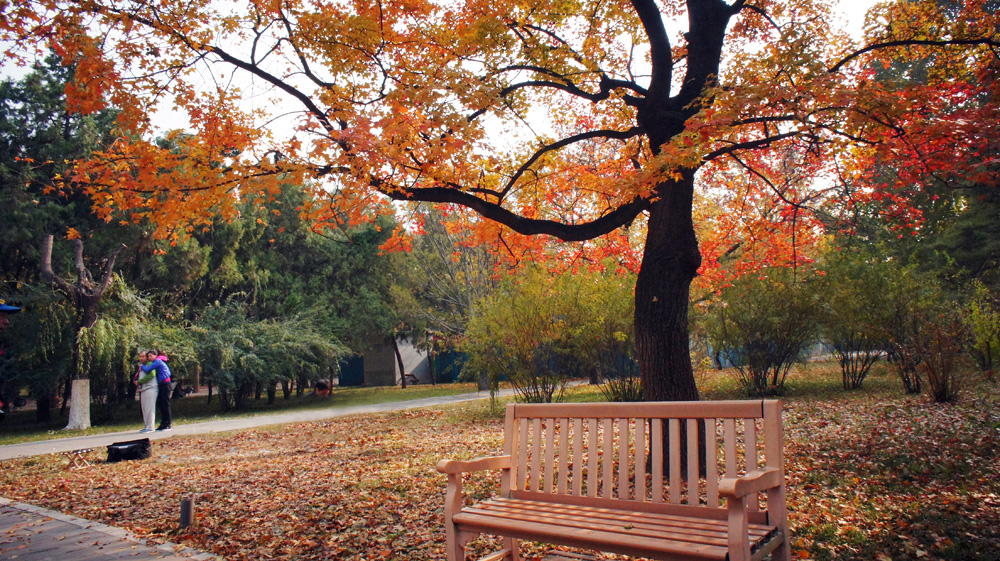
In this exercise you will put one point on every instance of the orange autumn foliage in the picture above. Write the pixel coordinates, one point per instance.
(594, 123)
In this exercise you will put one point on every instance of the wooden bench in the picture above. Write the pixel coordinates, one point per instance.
(624, 478)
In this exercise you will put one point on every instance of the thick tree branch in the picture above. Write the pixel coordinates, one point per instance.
(609, 222)
(302, 98)
(46, 273)
(610, 134)
(986, 41)
(760, 143)
(109, 269)
(742, 5)
(708, 20)
(659, 45)
(83, 278)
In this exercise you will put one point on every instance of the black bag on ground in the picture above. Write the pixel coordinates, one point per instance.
(131, 450)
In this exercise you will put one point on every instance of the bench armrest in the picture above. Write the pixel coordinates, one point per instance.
(477, 464)
(753, 482)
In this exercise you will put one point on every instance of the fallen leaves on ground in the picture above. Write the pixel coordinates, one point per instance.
(894, 478)
(871, 476)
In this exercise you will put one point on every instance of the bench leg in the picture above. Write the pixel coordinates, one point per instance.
(739, 540)
(454, 549)
(777, 509)
(514, 549)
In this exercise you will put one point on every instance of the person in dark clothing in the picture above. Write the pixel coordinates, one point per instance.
(158, 362)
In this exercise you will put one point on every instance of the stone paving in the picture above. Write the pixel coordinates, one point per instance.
(30, 533)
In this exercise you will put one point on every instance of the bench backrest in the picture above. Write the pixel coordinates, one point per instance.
(602, 453)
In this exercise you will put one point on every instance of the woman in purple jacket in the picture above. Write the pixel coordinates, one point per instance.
(158, 362)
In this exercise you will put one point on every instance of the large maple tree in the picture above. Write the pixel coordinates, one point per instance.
(571, 119)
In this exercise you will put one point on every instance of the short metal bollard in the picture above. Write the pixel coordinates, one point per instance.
(187, 513)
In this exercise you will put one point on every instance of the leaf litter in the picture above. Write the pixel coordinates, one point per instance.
(870, 476)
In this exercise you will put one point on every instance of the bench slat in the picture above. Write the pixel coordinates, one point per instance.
(592, 453)
(523, 477)
(657, 450)
(675, 461)
(549, 468)
(692, 463)
(563, 473)
(686, 511)
(607, 450)
(535, 484)
(640, 460)
(604, 541)
(578, 457)
(623, 455)
(712, 464)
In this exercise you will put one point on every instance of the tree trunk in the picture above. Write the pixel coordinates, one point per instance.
(43, 409)
(67, 392)
(399, 361)
(86, 306)
(670, 262)
(79, 409)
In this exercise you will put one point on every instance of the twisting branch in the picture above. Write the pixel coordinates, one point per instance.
(742, 5)
(985, 41)
(659, 44)
(760, 143)
(85, 285)
(610, 134)
(47, 275)
(614, 219)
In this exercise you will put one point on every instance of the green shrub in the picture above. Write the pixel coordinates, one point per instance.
(761, 324)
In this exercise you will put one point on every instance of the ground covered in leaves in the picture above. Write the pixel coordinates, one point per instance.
(872, 475)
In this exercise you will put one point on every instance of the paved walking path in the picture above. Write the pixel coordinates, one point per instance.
(30, 533)
(58, 445)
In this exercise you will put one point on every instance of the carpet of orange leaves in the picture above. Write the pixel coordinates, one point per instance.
(871, 476)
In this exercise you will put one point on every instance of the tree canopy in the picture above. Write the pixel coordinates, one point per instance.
(581, 121)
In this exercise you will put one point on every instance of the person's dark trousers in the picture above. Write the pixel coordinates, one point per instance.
(163, 404)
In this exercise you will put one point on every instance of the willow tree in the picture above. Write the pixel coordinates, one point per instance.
(570, 119)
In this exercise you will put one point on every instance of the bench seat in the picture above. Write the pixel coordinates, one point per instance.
(658, 536)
